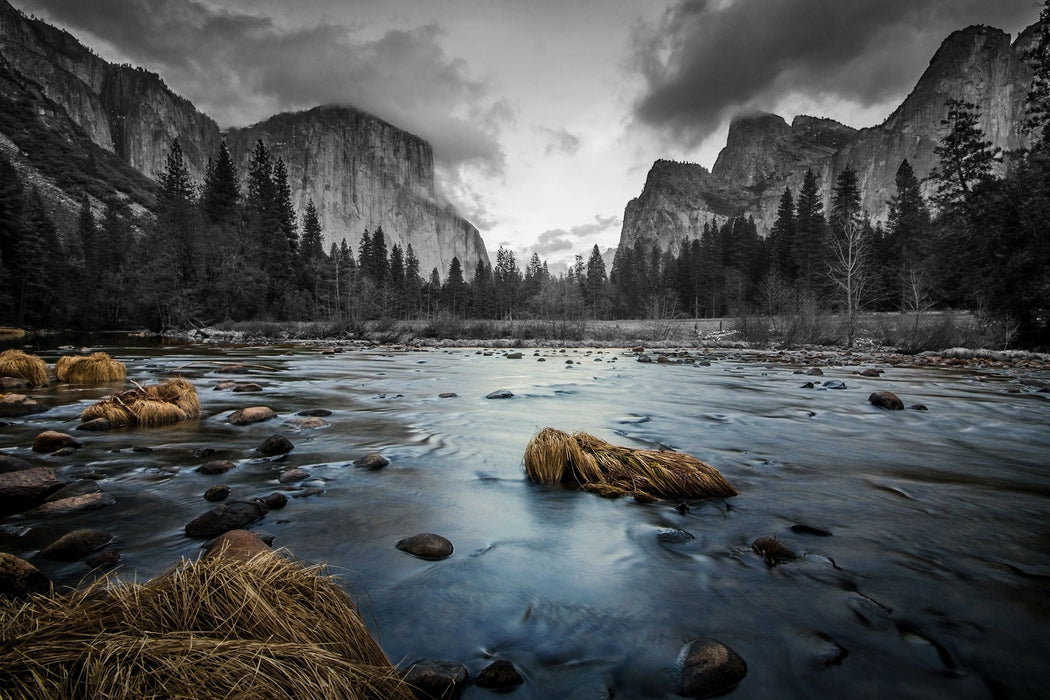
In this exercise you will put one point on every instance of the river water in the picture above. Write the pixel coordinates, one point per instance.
(934, 581)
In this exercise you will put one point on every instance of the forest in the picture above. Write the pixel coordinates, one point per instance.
(210, 253)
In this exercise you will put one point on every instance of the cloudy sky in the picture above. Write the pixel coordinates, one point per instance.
(545, 115)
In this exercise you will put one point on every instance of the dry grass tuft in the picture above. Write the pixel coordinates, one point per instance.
(215, 628)
(554, 457)
(15, 363)
(9, 333)
(96, 368)
(151, 406)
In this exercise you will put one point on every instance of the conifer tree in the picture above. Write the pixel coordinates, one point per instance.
(12, 230)
(782, 237)
(810, 228)
(966, 157)
(221, 194)
(453, 292)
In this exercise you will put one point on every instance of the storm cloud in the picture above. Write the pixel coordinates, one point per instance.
(558, 239)
(241, 68)
(708, 59)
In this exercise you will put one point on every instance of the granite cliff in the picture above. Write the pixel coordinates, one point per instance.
(360, 171)
(764, 154)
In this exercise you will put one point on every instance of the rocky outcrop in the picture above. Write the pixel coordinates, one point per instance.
(363, 173)
(764, 154)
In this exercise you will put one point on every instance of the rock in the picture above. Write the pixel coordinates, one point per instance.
(307, 423)
(437, 680)
(372, 460)
(233, 369)
(315, 412)
(26, 488)
(252, 414)
(807, 385)
(663, 360)
(103, 560)
(290, 475)
(500, 394)
(918, 407)
(887, 400)
(276, 500)
(249, 387)
(275, 445)
(709, 667)
(499, 675)
(772, 550)
(645, 359)
(217, 493)
(834, 384)
(19, 578)
(448, 395)
(426, 545)
(236, 544)
(96, 424)
(810, 530)
(871, 372)
(202, 452)
(10, 463)
(64, 452)
(215, 467)
(76, 544)
(674, 536)
(18, 405)
(77, 487)
(223, 385)
(229, 516)
(74, 504)
(814, 372)
(513, 355)
(638, 349)
(13, 384)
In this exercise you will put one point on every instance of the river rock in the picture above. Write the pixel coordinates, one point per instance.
(252, 414)
(217, 493)
(372, 461)
(76, 544)
(807, 385)
(74, 504)
(804, 529)
(19, 578)
(918, 407)
(673, 535)
(26, 488)
(236, 544)
(290, 475)
(709, 667)
(448, 395)
(499, 675)
(834, 384)
(225, 384)
(77, 487)
(814, 372)
(772, 550)
(13, 384)
(645, 359)
(96, 424)
(500, 394)
(103, 560)
(247, 387)
(437, 680)
(202, 452)
(513, 355)
(229, 516)
(276, 500)
(315, 412)
(18, 405)
(871, 372)
(426, 545)
(275, 445)
(887, 400)
(232, 369)
(219, 466)
(307, 423)
(10, 463)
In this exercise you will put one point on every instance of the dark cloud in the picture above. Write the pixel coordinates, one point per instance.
(560, 141)
(708, 59)
(557, 239)
(241, 68)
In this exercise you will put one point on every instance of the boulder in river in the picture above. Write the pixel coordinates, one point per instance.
(96, 424)
(871, 372)
(248, 387)
(431, 678)
(77, 487)
(814, 372)
(290, 475)
(709, 667)
(275, 445)
(74, 504)
(499, 675)
(252, 414)
(447, 395)
(315, 412)
(219, 466)
(887, 400)
(372, 461)
(228, 516)
(217, 493)
(76, 544)
(236, 544)
(18, 405)
(10, 463)
(26, 488)
(500, 394)
(19, 578)
(307, 423)
(426, 545)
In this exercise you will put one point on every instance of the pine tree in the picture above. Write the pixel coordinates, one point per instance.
(506, 282)
(594, 287)
(39, 244)
(845, 200)
(221, 194)
(454, 290)
(966, 157)
(907, 240)
(810, 232)
(285, 212)
(311, 255)
(413, 281)
(782, 238)
(12, 231)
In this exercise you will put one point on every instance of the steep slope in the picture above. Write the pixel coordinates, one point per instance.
(763, 154)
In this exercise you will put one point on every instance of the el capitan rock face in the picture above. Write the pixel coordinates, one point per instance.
(360, 171)
(764, 154)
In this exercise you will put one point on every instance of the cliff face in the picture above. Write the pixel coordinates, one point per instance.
(360, 171)
(763, 154)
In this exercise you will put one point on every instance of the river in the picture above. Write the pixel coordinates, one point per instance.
(933, 582)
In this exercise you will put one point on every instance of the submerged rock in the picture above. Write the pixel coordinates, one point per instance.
(307, 423)
(499, 675)
(216, 467)
(77, 487)
(315, 412)
(52, 440)
(290, 475)
(674, 536)
(275, 445)
(248, 387)
(810, 530)
(217, 493)
(887, 400)
(709, 667)
(430, 678)
(229, 516)
(76, 544)
(772, 550)
(74, 504)
(448, 395)
(426, 545)
(10, 463)
(834, 384)
(96, 424)
(103, 559)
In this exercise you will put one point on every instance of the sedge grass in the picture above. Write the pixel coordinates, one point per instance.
(96, 368)
(15, 363)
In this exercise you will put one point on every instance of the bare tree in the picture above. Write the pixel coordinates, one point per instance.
(849, 271)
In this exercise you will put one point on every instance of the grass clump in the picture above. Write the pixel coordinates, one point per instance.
(556, 457)
(220, 627)
(151, 406)
(97, 368)
(15, 363)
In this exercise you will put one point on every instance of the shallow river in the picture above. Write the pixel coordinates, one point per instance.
(933, 583)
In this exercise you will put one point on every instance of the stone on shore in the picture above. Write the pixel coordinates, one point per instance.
(19, 578)
(709, 667)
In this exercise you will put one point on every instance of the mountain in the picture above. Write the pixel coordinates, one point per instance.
(764, 154)
(119, 122)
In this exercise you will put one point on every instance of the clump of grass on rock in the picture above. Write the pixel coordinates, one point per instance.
(556, 457)
(96, 368)
(15, 363)
(158, 404)
(222, 627)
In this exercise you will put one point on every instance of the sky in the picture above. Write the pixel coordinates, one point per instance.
(545, 115)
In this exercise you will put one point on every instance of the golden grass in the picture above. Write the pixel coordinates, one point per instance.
(216, 628)
(96, 368)
(151, 406)
(555, 457)
(9, 332)
(15, 363)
